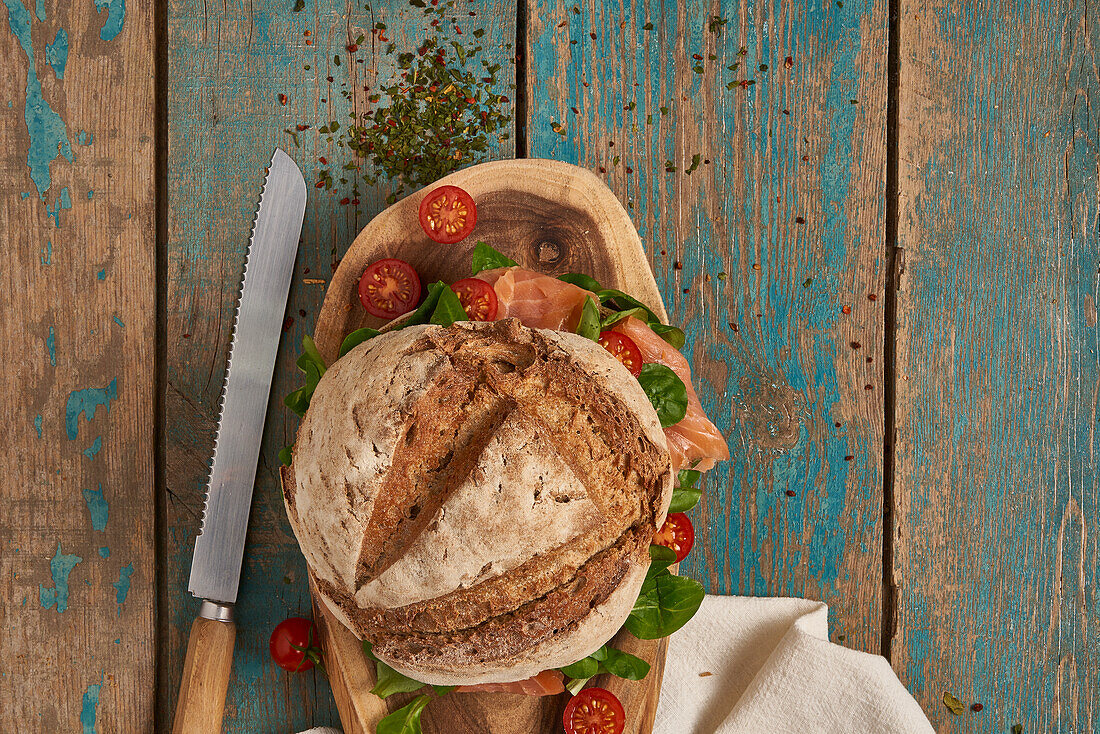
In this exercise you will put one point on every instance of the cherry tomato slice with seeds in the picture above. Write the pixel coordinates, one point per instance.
(477, 297)
(678, 534)
(448, 214)
(294, 644)
(389, 288)
(594, 711)
(623, 348)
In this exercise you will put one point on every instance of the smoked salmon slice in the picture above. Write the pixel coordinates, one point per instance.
(546, 683)
(694, 442)
(538, 301)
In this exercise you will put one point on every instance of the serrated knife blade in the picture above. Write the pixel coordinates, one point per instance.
(269, 265)
(219, 547)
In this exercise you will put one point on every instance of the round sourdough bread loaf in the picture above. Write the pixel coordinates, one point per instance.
(478, 500)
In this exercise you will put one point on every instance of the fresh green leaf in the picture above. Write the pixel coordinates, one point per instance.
(356, 338)
(443, 690)
(621, 664)
(666, 391)
(310, 363)
(589, 325)
(583, 668)
(575, 685)
(405, 720)
(660, 558)
(685, 496)
(953, 704)
(620, 301)
(581, 280)
(286, 454)
(424, 311)
(671, 334)
(485, 257)
(391, 682)
(665, 605)
(612, 319)
(449, 309)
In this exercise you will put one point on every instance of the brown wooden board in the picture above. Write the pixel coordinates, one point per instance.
(77, 320)
(547, 216)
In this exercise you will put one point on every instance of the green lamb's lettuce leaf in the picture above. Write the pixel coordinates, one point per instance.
(405, 720)
(582, 281)
(357, 337)
(485, 257)
(686, 496)
(589, 325)
(449, 309)
(666, 602)
(666, 391)
(311, 364)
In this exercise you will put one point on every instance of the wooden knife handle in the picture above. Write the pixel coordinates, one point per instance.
(206, 670)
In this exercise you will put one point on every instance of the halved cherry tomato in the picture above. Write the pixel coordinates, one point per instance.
(477, 297)
(293, 645)
(448, 214)
(678, 534)
(623, 348)
(594, 711)
(389, 288)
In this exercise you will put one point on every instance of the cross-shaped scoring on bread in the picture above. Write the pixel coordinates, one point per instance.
(478, 500)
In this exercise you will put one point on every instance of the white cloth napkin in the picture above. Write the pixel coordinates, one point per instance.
(771, 670)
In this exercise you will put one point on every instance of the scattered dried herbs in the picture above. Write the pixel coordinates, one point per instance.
(953, 704)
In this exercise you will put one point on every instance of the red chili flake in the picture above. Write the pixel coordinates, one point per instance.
(868, 387)
(734, 327)
(309, 42)
(383, 39)
(306, 271)
(677, 265)
(629, 169)
(849, 458)
(302, 312)
(744, 83)
(592, 36)
(300, 128)
(320, 184)
(788, 62)
(870, 360)
(790, 493)
(805, 157)
(800, 220)
(837, 425)
(352, 47)
(603, 170)
(575, 110)
(345, 201)
(323, 160)
(563, 24)
(329, 78)
(976, 707)
(186, 336)
(282, 100)
(697, 57)
(308, 32)
(355, 201)
(854, 345)
(470, 100)
(687, 290)
(287, 323)
(846, 309)
(872, 296)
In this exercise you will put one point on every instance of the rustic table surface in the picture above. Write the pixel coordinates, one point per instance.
(877, 220)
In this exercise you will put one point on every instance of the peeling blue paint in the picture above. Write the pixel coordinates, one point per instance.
(57, 53)
(84, 137)
(92, 450)
(104, 552)
(119, 321)
(90, 193)
(23, 194)
(61, 566)
(116, 14)
(40, 9)
(101, 275)
(51, 347)
(47, 253)
(64, 201)
(38, 424)
(49, 138)
(97, 507)
(87, 401)
(88, 707)
(122, 586)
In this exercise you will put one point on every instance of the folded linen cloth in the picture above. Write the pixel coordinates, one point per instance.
(746, 665)
(749, 665)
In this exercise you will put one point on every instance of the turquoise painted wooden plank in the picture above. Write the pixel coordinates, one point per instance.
(242, 78)
(998, 364)
(77, 315)
(748, 143)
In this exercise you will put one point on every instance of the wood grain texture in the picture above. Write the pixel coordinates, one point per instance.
(228, 64)
(997, 360)
(77, 316)
(757, 251)
(547, 216)
(207, 665)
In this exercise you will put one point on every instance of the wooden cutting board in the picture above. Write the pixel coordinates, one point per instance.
(548, 216)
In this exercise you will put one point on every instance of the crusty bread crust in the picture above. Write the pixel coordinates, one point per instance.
(478, 500)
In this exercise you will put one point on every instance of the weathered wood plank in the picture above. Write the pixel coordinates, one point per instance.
(997, 363)
(758, 252)
(77, 319)
(228, 66)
